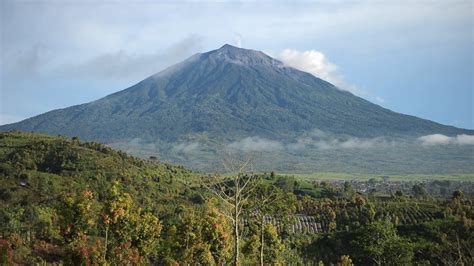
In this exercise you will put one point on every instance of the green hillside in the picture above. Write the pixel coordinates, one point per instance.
(41, 167)
(52, 186)
(68, 202)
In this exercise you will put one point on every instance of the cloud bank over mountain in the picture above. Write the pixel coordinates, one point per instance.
(440, 139)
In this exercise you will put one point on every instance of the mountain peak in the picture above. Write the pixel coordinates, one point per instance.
(228, 46)
(230, 49)
(241, 56)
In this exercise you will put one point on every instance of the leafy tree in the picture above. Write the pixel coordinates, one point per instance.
(45, 223)
(458, 195)
(345, 260)
(419, 191)
(269, 201)
(348, 190)
(130, 232)
(199, 236)
(77, 220)
(77, 216)
(286, 183)
(274, 247)
(378, 242)
(399, 193)
(6, 252)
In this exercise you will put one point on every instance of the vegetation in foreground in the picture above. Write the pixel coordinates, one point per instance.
(63, 201)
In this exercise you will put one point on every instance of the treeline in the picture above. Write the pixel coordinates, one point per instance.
(80, 229)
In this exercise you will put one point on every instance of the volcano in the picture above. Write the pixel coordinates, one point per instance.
(224, 96)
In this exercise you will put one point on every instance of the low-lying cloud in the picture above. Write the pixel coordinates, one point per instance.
(318, 140)
(186, 147)
(252, 144)
(335, 143)
(440, 139)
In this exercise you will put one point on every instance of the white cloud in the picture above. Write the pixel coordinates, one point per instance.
(316, 140)
(355, 143)
(125, 65)
(324, 141)
(379, 99)
(256, 144)
(186, 147)
(300, 144)
(439, 139)
(465, 139)
(238, 40)
(314, 62)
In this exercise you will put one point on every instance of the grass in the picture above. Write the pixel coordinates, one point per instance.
(408, 177)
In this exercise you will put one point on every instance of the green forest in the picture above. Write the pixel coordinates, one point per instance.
(64, 201)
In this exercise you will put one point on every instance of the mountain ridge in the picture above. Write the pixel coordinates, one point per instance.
(224, 96)
(252, 78)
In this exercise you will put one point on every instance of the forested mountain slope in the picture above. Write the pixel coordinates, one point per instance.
(228, 93)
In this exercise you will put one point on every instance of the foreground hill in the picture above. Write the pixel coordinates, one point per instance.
(67, 202)
(38, 168)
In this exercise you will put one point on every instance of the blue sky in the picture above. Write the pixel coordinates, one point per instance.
(414, 57)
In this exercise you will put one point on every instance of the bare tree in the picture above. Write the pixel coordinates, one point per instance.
(233, 190)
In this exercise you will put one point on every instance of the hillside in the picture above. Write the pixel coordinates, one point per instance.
(39, 168)
(67, 202)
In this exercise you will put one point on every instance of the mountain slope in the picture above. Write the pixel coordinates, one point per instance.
(228, 93)
(245, 100)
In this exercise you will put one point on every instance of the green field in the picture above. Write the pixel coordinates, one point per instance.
(408, 177)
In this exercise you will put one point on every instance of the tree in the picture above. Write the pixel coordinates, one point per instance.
(233, 192)
(77, 221)
(419, 191)
(399, 193)
(199, 236)
(345, 260)
(380, 243)
(286, 183)
(130, 232)
(269, 201)
(348, 190)
(274, 247)
(458, 195)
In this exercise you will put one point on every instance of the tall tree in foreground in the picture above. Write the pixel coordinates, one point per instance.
(269, 202)
(201, 236)
(131, 233)
(233, 191)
